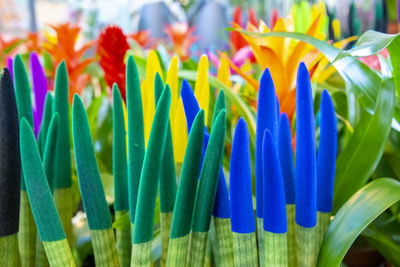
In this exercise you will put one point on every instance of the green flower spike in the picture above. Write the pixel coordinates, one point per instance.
(135, 134)
(149, 181)
(120, 171)
(27, 229)
(206, 192)
(221, 234)
(44, 126)
(62, 181)
(92, 192)
(181, 219)
(10, 173)
(167, 181)
(49, 167)
(44, 211)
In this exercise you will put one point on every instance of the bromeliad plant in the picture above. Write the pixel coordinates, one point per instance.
(295, 202)
(222, 227)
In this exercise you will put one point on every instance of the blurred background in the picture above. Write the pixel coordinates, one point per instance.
(209, 18)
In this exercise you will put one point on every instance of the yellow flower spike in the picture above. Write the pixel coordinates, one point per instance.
(336, 29)
(172, 81)
(152, 67)
(224, 71)
(179, 132)
(202, 87)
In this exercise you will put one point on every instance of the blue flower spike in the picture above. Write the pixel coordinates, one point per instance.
(326, 164)
(190, 104)
(288, 174)
(305, 197)
(243, 223)
(275, 226)
(267, 118)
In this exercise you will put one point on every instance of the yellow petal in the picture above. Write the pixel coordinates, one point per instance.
(172, 81)
(224, 72)
(278, 44)
(152, 67)
(202, 87)
(298, 52)
(179, 132)
(278, 72)
(336, 29)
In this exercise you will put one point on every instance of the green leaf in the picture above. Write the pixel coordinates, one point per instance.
(123, 222)
(362, 152)
(383, 243)
(362, 80)
(354, 216)
(371, 42)
(235, 99)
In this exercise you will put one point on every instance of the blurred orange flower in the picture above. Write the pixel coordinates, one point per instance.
(182, 38)
(7, 47)
(63, 47)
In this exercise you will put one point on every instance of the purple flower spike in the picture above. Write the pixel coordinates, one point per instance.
(10, 67)
(39, 90)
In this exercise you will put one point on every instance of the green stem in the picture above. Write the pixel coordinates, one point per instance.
(323, 221)
(177, 251)
(105, 252)
(27, 232)
(223, 244)
(275, 246)
(260, 241)
(306, 245)
(41, 258)
(58, 253)
(197, 249)
(141, 254)
(245, 249)
(165, 220)
(124, 243)
(291, 235)
(63, 201)
(9, 255)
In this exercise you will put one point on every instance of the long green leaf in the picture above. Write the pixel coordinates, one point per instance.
(371, 42)
(383, 243)
(362, 80)
(354, 216)
(364, 149)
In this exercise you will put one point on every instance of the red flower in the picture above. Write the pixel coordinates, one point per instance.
(112, 47)
(236, 38)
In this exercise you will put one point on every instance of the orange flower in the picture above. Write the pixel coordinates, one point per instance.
(63, 47)
(142, 38)
(7, 47)
(112, 46)
(32, 42)
(283, 55)
(181, 38)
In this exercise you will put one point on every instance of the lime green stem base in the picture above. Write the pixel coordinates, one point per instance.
(27, 232)
(177, 251)
(245, 249)
(9, 255)
(275, 246)
(291, 235)
(104, 247)
(141, 254)
(223, 252)
(306, 245)
(58, 253)
(165, 221)
(197, 249)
